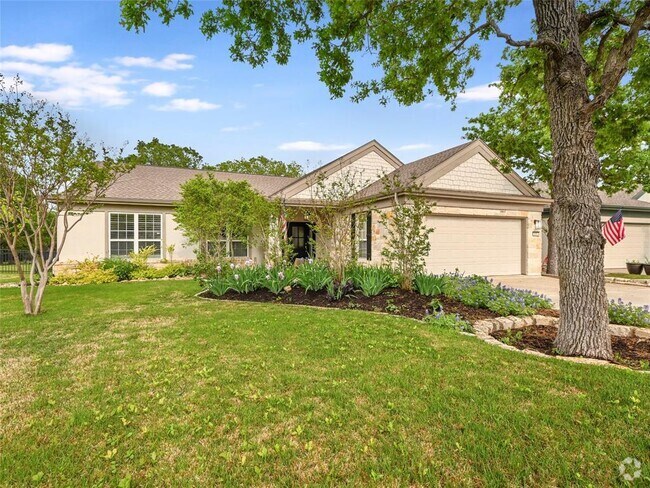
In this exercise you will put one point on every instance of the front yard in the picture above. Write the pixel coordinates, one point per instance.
(144, 382)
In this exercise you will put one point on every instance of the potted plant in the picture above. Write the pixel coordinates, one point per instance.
(646, 266)
(634, 267)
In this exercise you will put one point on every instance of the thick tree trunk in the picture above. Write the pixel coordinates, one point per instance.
(576, 170)
(551, 256)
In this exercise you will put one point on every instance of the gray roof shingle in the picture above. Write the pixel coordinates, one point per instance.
(163, 184)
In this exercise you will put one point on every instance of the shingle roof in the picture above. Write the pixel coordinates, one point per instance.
(162, 184)
(407, 173)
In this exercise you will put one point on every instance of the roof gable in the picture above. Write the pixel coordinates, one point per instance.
(470, 169)
(369, 162)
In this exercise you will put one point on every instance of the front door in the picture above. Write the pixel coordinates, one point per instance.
(301, 237)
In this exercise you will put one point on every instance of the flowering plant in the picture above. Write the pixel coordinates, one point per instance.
(246, 279)
(277, 279)
(627, 314)
(313, 275)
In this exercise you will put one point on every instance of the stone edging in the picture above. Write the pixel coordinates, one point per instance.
(483, 329)
(626, 281)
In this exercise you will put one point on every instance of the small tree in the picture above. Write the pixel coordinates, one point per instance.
(333, 200)
(47, 169)
(407, 243)
(213, 212)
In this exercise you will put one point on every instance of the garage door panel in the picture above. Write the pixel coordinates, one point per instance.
(636, 245)
(475, 245)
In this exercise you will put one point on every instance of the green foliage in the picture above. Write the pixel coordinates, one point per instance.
(140, 258)
(340, 289)
(313, 276)
(156, 153)
(627, 314)
(407, 243)
(211, 211)
(261, 165)
(476, 291)
(518, 128)
(245, 279)
(429, 285)
(449, 321)
(123, 268)
(277, 279)
(372, 280)
(89, 272)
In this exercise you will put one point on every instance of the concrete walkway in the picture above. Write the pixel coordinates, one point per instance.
(638, 295)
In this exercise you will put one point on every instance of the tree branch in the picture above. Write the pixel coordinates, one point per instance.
(617, 61)
(543, 43)
(586, 20)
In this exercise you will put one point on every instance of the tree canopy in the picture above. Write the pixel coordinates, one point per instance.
(156, 153)
(261, 165)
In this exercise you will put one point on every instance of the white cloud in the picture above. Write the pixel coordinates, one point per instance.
(186, 105)
(40, 53)
(414, 147)
(312, 146)
(160, 89)
(71, 85)
(171, 62)
(480, 93)
(240, 128)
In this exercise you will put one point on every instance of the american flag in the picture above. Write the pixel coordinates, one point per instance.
(283, 225)
(614, 228)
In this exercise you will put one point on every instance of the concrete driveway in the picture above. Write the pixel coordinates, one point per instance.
(638, 295)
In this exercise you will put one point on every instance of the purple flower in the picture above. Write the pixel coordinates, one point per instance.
(281, 275)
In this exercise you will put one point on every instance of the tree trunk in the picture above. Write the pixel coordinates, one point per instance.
(551, 256)
(576, 170)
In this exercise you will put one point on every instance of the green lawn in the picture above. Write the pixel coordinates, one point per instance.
(8, 277)
(629, 276)
(144, 381)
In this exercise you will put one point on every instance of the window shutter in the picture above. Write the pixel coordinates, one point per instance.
(353, 232)
(369, 235)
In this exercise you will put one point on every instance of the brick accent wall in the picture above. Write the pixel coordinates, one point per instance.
(476, 174)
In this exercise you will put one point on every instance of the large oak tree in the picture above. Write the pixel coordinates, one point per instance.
(420, 47)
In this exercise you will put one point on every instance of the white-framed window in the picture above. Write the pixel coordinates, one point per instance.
(361, 234)
(234, 248)
(130, 232)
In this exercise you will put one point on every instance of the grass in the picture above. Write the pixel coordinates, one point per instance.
(144, 382)
(8, 277)
(629, 276)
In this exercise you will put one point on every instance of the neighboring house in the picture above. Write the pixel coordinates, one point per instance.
(485, 221)
(636, 216)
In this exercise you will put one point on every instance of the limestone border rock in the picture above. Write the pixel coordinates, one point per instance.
(484, 328)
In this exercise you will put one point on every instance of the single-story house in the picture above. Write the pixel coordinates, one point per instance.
(636, 217)
(485, 221)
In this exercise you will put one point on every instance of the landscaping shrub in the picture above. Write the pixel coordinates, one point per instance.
(372, 280)
(147, 273)
(313, 276)
(628, 314)
(277, 279)
(429, 285)
(477, 291)
(140, 258)
(88, 272)
(122, 268)
(337, 290)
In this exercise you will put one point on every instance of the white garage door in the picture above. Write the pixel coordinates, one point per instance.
(636, 245)
(475, 245)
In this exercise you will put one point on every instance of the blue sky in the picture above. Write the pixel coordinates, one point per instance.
(171, 83)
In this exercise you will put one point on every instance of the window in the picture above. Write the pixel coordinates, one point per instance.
(231, 247)
(361, 235)
(124, 239)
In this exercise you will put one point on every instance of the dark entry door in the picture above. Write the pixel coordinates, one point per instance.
(300, 236)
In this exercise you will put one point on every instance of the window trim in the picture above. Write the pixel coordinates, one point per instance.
(136, 233)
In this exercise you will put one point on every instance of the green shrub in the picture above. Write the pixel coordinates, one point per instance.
(627, 314)
(122, 268)
(372, 280)
(140, 258)
(313, 276)
(429, 285)
(337, 290)
(176, 270)
(88, 272)
(147, 273)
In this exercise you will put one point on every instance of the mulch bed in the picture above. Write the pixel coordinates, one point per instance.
(394, 301)
(628, 351)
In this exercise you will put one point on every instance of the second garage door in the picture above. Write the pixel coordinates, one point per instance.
(475, 245)
(635, 246)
